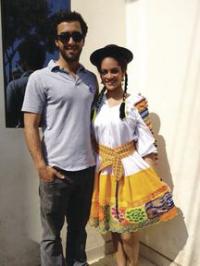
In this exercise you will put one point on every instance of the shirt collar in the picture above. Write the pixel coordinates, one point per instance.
(53, 67)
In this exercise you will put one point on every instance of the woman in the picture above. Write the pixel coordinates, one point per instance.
(128, 194)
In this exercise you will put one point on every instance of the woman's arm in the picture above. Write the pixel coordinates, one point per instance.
(151, 159)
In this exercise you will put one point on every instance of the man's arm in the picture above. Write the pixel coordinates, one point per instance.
(32, 136)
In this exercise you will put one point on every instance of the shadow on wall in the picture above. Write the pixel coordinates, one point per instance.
(30, 255)
(175, 229)
(163, 167)
(163, 251)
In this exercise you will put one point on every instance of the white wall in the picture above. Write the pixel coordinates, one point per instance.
(106, 22)
(165, 37)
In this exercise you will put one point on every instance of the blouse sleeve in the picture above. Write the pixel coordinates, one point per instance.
(145, 142)
(141, 105)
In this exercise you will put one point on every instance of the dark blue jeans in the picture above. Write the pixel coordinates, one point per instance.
(71, 199)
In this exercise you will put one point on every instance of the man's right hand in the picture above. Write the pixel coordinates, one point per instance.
(48, 173)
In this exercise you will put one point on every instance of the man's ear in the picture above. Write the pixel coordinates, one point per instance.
(56, 43)
(83, 42)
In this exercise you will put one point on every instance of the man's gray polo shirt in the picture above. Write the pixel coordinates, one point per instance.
(64, 103)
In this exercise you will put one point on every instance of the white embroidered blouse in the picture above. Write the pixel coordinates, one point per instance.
(111, 131)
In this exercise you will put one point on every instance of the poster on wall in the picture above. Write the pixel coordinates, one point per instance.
(28, 45)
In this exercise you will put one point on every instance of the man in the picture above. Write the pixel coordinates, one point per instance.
(61, 96)
(29, 61)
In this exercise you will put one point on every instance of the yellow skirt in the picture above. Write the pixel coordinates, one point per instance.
(130, 204)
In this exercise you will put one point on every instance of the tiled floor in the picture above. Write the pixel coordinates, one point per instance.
(108, 261)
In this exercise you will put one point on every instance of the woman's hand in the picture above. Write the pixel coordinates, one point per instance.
(151, 159)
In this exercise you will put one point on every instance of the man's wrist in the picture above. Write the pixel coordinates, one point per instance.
(40, 165)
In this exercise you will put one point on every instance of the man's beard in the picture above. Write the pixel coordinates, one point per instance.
(71, 58)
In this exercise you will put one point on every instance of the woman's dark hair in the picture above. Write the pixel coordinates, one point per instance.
(69, 16)
(122, 106)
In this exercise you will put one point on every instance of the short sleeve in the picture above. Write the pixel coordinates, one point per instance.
(35, 97)
(144, 138)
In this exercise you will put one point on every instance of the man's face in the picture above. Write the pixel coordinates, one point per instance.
(70, 40)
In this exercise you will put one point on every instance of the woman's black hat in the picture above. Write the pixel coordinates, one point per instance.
(113, 51)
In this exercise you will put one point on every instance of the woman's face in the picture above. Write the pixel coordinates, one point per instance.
(111, 74)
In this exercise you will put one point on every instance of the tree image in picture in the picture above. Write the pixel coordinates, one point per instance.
(28, 44)
(21, 19)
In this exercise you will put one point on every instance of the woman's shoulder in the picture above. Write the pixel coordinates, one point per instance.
(136, 99)
(140, 103)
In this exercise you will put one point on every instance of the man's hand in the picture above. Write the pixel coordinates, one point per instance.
(48, 173)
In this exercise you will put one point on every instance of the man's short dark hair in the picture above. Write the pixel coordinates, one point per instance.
(69, 16)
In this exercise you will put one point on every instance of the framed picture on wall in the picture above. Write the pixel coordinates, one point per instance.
(28, 44)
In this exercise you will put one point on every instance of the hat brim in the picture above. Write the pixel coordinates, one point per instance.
(111, 51)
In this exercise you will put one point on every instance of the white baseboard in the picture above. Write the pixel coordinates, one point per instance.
(94, 254)
(151, 255)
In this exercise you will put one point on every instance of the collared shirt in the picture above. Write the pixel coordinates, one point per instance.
(64, 102)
